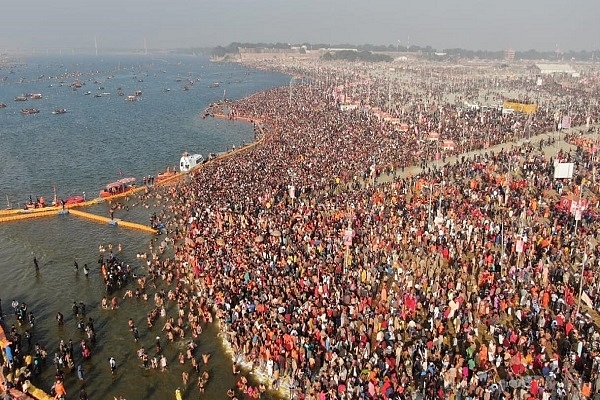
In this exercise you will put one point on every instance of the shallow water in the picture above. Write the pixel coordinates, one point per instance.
(80, 151)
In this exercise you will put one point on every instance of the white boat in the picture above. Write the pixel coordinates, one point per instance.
(190, 161)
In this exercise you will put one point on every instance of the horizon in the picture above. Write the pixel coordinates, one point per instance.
(547, 25)
(171, 50)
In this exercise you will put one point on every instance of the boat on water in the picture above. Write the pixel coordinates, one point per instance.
(214, 85)
(29, 111)
(138, 93)
(39, 202)
(131, 98)
(74, 200)
(122, 186)
(189, 161)
(165, 175)
(2, 105)
(34, 96)
(59, 111)
(21, 97)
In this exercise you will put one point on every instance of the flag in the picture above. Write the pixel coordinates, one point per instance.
(519, 245)
(586, 299)
(348, 233)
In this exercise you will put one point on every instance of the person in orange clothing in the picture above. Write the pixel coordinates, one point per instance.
(545, 299)
(59, 389)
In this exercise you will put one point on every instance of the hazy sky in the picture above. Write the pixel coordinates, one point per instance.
(472, 24)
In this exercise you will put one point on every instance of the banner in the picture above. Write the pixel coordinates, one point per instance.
(348, 233)
(519, 246)
(563, 170)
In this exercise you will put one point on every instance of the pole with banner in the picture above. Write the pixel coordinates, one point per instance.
(519, 249)
(583, 262)
(577, 209)
(348, 234)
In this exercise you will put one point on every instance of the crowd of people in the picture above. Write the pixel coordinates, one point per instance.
(339, 271)
(345, 258)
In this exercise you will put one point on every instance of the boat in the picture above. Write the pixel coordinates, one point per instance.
(74, 200)
(97, 95)
(122, 186)
(189, 161)
(215, 85)
(138, 92)
(39, 202)
(34, 96)
(2, 105)
(165, 175)
(131, 98)
(21, 98)
(29, 111)
(59, 111)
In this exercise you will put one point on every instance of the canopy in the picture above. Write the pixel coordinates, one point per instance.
(120, 182)
(126, 181)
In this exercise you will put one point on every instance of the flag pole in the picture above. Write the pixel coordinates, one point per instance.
(583, 262)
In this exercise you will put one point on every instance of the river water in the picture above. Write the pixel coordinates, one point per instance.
(97, 141)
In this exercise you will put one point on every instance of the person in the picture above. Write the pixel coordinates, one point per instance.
(86, 271)
(37, 265)
(60, 390)
(113, 365)
(76, 265)
(80, 372)
(112, 213)
(60, 319)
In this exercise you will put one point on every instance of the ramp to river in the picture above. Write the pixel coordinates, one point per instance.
(115, 222)
(17, 215)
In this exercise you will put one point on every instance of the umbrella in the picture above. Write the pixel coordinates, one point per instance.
(276, 233)
(259, 238)
(221, 242)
